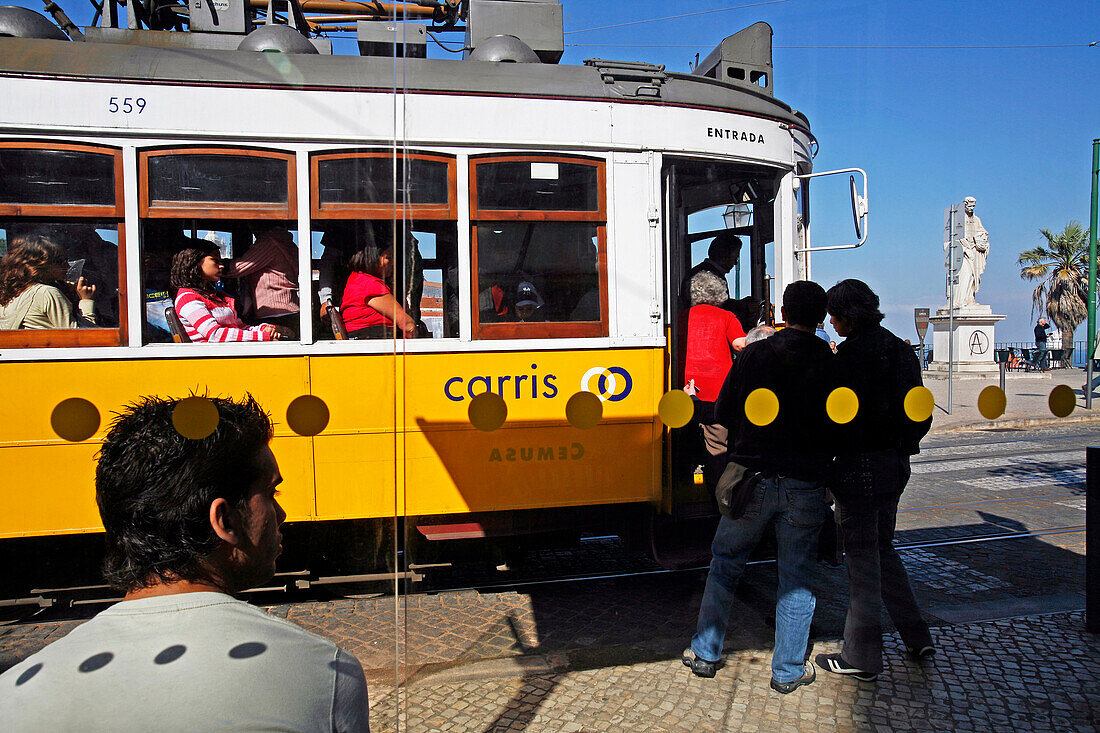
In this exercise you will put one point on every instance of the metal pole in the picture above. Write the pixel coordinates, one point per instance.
(1090, 344)
(951, 310)
(1092, 540)
(1002, 365)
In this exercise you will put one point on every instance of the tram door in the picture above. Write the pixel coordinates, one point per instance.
(703, 200)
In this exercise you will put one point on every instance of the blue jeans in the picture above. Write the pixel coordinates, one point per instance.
(797, 509)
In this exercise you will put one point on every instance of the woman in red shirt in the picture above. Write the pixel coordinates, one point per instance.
(369, 308)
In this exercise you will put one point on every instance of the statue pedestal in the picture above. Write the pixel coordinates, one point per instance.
(971, 334)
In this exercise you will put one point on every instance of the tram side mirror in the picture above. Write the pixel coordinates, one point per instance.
(831, 199)
(859, 208)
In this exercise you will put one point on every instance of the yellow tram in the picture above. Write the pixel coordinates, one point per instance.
(585, 182)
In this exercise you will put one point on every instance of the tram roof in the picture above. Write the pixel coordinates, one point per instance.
(600, 80)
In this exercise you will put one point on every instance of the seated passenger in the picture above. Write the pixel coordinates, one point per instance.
(29, 294)
(208, 314)
(528, 303)
(270, 266)
(369, 308)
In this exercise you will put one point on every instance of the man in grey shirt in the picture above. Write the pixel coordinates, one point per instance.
(188, 524)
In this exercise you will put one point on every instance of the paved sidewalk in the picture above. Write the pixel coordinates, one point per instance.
(985, 676)
(1026, 394)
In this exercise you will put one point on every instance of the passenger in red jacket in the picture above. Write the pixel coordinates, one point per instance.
(369, 308)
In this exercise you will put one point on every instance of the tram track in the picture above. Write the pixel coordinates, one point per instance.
(56, 609)
(900, 547)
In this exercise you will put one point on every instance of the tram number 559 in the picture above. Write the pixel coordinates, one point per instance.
(126, 105)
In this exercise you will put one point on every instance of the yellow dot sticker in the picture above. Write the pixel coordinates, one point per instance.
(584, 410)
(992, 402)
(761, 407)
(307, 415)
(75, 419)
(919, 404)
(1062, 400)
(675, 408)
(195, 417)
(487, 411)
(842, 405)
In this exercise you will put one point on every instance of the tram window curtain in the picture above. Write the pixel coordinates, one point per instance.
(539, 239)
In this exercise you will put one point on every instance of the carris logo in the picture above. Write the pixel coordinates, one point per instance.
(611, 383)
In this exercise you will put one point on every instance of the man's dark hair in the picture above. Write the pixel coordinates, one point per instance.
(725, 247)
(804, 303)
(154, 487)
(187, 266)
(855, 302)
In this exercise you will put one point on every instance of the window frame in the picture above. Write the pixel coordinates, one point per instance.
(533, 330)
(74, 213)
(84, 211)
(361, 210)
(147, 209)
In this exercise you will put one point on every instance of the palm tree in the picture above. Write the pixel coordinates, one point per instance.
(1062, 269)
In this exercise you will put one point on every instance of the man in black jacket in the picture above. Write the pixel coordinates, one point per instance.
(872, 468)
(790, 450)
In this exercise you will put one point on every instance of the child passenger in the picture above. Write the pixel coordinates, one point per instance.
(208, 313)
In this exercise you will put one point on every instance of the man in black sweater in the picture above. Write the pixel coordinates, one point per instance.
(791, 451)
(872, 468)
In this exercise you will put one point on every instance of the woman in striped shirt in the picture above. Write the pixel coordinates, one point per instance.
(209, 314)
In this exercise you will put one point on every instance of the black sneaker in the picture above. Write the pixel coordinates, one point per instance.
(786, 688)
(833, 663)
(699, 667)
(921, 653)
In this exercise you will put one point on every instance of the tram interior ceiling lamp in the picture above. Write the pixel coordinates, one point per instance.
(737, 216)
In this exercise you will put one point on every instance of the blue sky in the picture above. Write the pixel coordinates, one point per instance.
(936, 100)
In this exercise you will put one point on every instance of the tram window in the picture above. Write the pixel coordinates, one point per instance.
(539, 247)
(260, 272)
(62, 245)
(370, 180)
(537, 186)
(424, 276)
(354, 195)
(538, 272)
(56, 177)
(45, 262)
(223, 178)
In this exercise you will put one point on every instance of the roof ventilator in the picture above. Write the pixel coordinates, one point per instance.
(275, 37)
(631, 78)
(504, 49)
(23, 23)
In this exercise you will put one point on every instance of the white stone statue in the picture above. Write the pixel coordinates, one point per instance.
(975, 246)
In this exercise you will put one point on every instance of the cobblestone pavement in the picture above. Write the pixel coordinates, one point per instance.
(986, 676)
